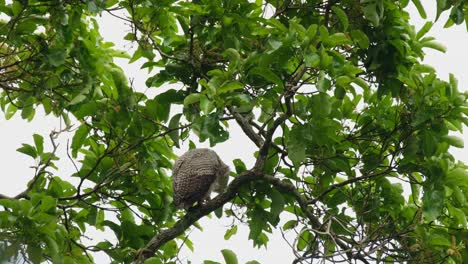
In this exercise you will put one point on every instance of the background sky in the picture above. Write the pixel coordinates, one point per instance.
(16, 171)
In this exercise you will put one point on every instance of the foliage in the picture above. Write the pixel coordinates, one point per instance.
(353, 131)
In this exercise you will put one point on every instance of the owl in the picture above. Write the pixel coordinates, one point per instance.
(195, 175)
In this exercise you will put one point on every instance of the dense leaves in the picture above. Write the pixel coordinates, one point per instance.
(353, 131)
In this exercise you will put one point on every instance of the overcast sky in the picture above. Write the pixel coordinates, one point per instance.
(16, 172)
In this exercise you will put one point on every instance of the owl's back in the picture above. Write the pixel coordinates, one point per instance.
(193, 174)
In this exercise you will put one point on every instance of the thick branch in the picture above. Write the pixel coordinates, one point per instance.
(193, 215)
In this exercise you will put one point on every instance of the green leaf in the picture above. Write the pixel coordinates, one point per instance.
(439, 239)
(277, 204)
(341, 16)
(230, 232)
(28, 112)
(312, 59)
(219, 212)
(454, 141)
(321, 104)
(78, 99)
(252, 262)
(441, 6)
(371, 14)
(433, 202)
(10, 112)
(206, 105)
(360, 38)
(34, 253)
(57, 56)
(296, 146)
(229, 256)
(239, 165)
(230, 86)
(323, 84)
(28, 150)
(78, 139)
(458, 177)
(192, 98)
(434, 45)
(339, 92)
(16, 7)
(429, 143)
(323, 32)
(420, 8)
(175, 133)
(290, 224)
(210, 262)
(209, 128)
(337, 39)
(39, 143)
(153, 260)
(268, 75)
(423, 31)
(256, 224)
(303, 240)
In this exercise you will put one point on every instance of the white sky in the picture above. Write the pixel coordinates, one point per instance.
(16, 171)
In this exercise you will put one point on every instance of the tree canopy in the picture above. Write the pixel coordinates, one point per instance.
(352, 130)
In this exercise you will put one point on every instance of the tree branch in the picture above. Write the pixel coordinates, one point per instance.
(193, 215)
(246, 127)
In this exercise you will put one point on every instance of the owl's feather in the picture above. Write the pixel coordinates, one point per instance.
(195, 174)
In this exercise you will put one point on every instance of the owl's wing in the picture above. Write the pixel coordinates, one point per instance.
(177, 164)
(193, 175)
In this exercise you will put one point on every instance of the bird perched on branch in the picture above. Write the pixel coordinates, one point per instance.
(195, 175)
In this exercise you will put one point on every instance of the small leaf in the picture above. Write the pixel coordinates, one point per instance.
(229, 256)
(420, 8)
(290, 224)
(341, 16)
(153, 260)
(454, 141)
(339, 92)
(206, 105)
(312, 59)
(360, 38)
(303, 240)
(337, 39)
(230, 86)
(78, 138)
(10, 112)
(28, 150)
(39, 143)
(458, 177)
(57, 56)
(268, 75)
(192, 98)
(296, 145)
(34, 253)
(435, 45)
(78, 99)
(277, 204)
(370, 13)
(219, 212)
(422, 32)
(230, 232)
(239, 165)
(433, 202)
(175, 133)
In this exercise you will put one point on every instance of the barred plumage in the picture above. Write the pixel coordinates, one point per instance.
(195, 174)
